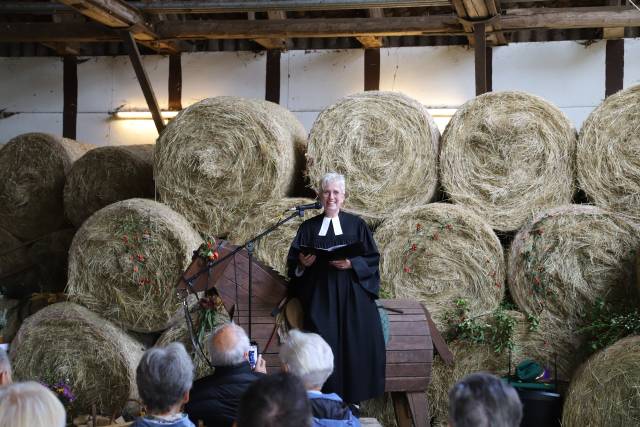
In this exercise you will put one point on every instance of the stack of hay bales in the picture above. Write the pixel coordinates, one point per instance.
(222, 156)
(107, 175)
(34, 233)
(607, 164)
(506, 156)
(125, 260)
(66, 342)
(439, 253)
(604, 390)
(564, 261)
(385, 143)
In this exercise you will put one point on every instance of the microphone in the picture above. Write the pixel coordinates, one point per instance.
(314, 205)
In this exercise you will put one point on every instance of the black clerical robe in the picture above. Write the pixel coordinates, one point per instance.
(340, 306)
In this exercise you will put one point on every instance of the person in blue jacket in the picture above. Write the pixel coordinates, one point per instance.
(309, 357)
(164, 377)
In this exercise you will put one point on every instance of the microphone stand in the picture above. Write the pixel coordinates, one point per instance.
(250, 246)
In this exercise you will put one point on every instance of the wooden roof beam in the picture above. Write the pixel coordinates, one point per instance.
(372, 42)
(119, 14)
(272, 43)
(616, 32)
(480, 10)
(512, 20)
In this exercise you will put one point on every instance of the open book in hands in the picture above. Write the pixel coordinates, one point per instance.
(350, 250)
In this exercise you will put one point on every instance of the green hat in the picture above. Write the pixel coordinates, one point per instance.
(529, 370)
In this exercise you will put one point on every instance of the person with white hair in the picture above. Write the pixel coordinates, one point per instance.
(215, 398)
(333, 265)
(484, 400)
(5, 368)
(164, 377)
(309, 357)
(30, 404)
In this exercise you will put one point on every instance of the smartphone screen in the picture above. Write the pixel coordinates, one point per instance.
(253, 354)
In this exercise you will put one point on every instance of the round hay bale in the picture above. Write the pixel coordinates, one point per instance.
(607, 164)
(67, 342)
(385, 143)
(49, 256)
(221, 156)
(125, 260)
(604, 392)
(180, 333)
(439, 253)
(566, 258)
(272, 249)
(107, 175)
(17, 275)
(506, 155)
(33, 167)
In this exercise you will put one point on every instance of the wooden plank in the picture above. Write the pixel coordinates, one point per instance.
(415, 329)
(371, 69)
(417, 356)
(405, 343)
(419, 409)
(489, 68)
(406, 384)
(143, 79)
(401, 409)
(175, 82)
(614, 66)
(513, 20)
(272, 84)
(119, 14)
(438, 341)
(336, 27)
(70, 94)
(480, 51)
(408, 369)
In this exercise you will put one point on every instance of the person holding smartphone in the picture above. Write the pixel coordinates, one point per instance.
(214, 399)
(338, 296)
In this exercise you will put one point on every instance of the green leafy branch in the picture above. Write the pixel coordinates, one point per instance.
(604, 326)
(495, 329)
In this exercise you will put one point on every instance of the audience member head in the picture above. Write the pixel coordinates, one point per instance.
(164, 378)
(278, 400)
(228, 345)
(30, 404)
(5, 368)
(483, 400)
(309, 357)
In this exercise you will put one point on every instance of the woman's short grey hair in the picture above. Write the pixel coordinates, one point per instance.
(228, 344)
(30, 404)
(329, 178)
(483, 400)
(164, 375)
(308, 356)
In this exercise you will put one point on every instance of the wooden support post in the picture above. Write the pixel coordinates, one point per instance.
(272, 86)
(371, 69)
(480, 50)
(614, 66)
(489, 68)
(143, 79)
(70, 94)
(401, 409)
(175, 82)
(419, 408)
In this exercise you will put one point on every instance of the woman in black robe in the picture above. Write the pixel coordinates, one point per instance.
(338, 297)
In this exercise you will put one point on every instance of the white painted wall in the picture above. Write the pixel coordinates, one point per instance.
(631, 62)
(566, 73)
